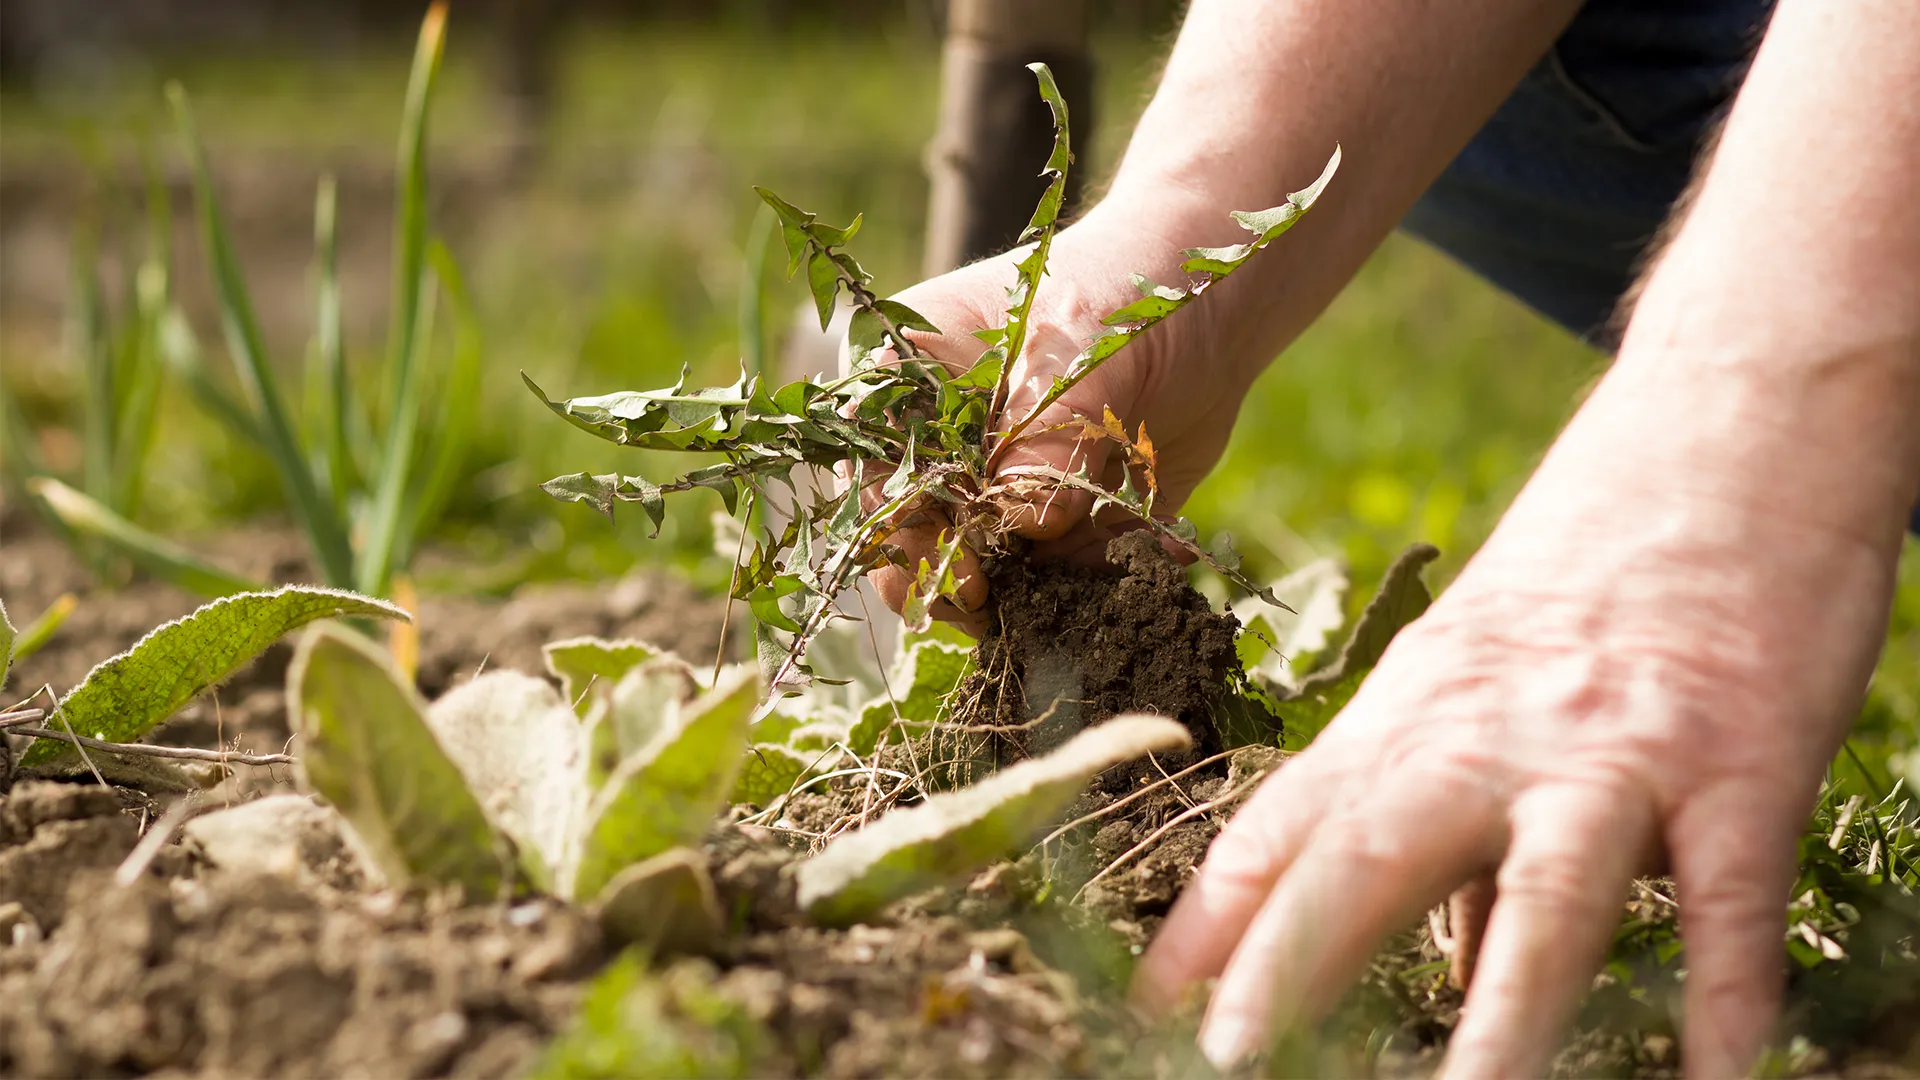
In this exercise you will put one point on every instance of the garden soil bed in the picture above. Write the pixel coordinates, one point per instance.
(190, 968)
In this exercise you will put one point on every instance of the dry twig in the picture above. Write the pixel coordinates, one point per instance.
(179, 753)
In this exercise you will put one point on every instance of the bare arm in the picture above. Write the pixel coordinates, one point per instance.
(1665, 640)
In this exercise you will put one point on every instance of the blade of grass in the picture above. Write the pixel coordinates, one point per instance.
(331, 389)
(86, 337)
(411, 332)
(459, 404)
(753, 294)
(410, 204)
(37, 633)
(325, 531)
(157, 555)
(140, 382)
(21, 462)
(180, 351)
(377, 560)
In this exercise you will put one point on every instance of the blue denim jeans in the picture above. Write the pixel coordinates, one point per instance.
(1558, 198)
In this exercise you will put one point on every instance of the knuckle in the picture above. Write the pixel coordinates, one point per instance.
(1558, 878)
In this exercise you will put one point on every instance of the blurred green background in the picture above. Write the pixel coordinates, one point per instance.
(604, 243)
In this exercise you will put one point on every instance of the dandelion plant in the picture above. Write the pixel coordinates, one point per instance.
(930, 431)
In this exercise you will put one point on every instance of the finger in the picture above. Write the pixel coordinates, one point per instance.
(1361, 875)
(1467, 912)
(921, 541)
(1055, 440)
(1560, 893)
(1241, 867)
(1733, 852)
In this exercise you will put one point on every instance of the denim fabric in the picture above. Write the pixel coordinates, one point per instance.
(1557, 199)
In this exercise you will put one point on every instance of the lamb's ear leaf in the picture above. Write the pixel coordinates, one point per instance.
(123, 698)
(955, 833)
(666, 794)
(664, 905)
(521, 751)
(1402, 598)
(770, 771)
(365, 746)
(1316, 594)
(585, 661)
(923, 675)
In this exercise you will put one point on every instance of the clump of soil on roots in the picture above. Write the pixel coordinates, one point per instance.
(1069, 646)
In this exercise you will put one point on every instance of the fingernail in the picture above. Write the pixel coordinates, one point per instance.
(1224, 1041)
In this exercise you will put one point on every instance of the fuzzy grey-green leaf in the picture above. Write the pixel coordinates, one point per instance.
(366, 747)
(122, 698)
(583, 661)
(954, 833)
(667, 793)
(520, 749)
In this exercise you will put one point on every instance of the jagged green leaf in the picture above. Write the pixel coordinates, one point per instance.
(666, 793)
(521, 750)
(583, 661)
(364, 744)
(122, 698)
(823, 281)
(958, 832)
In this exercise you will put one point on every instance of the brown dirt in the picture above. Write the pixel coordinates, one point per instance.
(1077, 645)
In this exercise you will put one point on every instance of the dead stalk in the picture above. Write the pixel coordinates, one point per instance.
(1118, 803)
(148, 848)
(178, 753)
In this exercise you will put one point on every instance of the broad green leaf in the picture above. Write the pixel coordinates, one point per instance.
(923, 675)
(122, 698)
(366, 747)
(664, 905)
(1402, 597)
(580, 662)
(522, 752)
(667, 793)
(955, 833)
(153, 553)
(770, 771)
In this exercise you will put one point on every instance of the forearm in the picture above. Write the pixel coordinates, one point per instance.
(1254, 98)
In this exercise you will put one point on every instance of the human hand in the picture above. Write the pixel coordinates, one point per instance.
(1175, 380)
(1649, 663)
